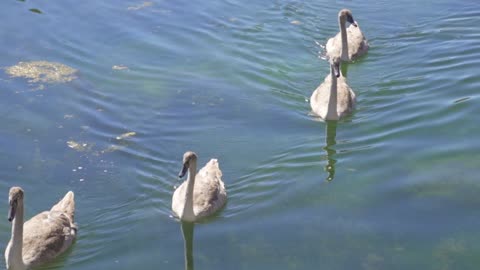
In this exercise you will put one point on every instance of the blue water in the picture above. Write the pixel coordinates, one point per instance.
(393, 186)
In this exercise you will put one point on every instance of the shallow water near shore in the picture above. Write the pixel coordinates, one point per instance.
(393, 186)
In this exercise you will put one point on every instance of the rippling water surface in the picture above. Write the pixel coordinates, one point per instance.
(393, 186)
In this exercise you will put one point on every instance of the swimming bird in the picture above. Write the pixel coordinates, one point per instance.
(43, 237)
(202, 194)
(333, 99)
(350, 43)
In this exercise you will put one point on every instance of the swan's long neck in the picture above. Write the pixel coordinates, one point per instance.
(187, 213)
(14, 253)
(343, 33)
(332, 101)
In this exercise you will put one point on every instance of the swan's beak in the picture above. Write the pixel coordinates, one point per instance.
(336, 69)
(352, 21)
(11, 210)
(183, 171)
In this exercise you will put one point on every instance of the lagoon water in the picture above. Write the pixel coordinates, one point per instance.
(393, 186)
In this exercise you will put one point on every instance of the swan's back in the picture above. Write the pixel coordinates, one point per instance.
(357, 44)
(209, 194)
(320, 99)
(334, 46)
(49, 233)
(66, 205)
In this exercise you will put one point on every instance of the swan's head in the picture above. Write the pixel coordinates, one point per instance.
(188, 158)
(335, 66)
(15, 197)
(346, 15)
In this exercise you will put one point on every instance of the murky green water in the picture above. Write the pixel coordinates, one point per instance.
(394, 186)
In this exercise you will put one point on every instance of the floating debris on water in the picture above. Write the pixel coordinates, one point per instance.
(111, 148)
(81, 147)
(89, 147)
(119, 67)
(140, 6)
(295, 22)
(42, 71)
(36, 10)
(126, 135)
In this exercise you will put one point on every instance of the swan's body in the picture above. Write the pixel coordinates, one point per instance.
(333, 99)
(350, 43)
(202, 194)
(43, 237)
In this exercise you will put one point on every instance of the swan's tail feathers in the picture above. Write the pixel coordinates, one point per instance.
(213, 163)
(212, 168)
(66, 205)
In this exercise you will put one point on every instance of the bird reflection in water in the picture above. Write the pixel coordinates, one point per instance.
(331, 133)
(187, 231)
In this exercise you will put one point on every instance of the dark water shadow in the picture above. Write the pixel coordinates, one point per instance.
(330, 142)
(187, 232)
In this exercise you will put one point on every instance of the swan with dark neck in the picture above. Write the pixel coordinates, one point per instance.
(202, 194)
(333, 99)
(350, 43)
(43, 237)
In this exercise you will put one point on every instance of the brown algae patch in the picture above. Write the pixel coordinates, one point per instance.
(42, 71)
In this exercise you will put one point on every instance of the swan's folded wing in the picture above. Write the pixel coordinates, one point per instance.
(209, 192)
(357, 44)
(66, 205)
(345, 100)
(334, 47)
(45, 236)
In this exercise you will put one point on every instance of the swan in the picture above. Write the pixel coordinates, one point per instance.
(41, 238)
(350, 43)
(200, 195)
(333, 99)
